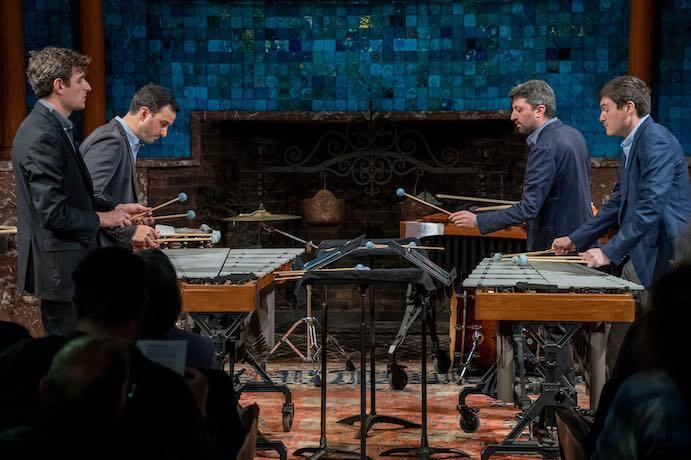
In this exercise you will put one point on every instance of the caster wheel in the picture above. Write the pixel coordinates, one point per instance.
(398, 379)
(442, 362)
(317, 381)
(287, 418)
(469, 421)
(350, 366)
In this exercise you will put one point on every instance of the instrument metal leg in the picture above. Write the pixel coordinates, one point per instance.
(597, 341)
(398, 379)
(553, 395)
(506, 370)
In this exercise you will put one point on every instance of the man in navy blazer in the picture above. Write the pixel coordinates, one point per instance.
(650, 202)
(556, 187)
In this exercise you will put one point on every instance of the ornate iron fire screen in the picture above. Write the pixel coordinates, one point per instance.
(373, 151)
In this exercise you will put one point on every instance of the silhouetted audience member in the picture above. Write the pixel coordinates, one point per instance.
(11, 333)
(158, 323)
(636, 353)
(163, 308)
(83, 393)
(650, 417)
(163, 414)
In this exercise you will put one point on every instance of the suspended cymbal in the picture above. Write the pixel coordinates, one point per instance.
(261, 215)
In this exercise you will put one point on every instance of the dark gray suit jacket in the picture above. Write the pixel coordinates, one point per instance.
(108, 157)
(57, 222)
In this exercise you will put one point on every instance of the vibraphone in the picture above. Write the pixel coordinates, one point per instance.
(465, 248)
(534, 294)
(221, 287)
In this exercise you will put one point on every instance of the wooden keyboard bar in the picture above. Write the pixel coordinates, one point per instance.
(510, 306)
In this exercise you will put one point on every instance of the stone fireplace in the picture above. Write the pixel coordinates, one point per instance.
(240, 161)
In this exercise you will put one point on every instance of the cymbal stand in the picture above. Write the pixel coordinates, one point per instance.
(312, 346)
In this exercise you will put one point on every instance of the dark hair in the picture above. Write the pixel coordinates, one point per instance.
(90, 373)
(11, 333)
(50, 63)
(164, 303)
(153, 97)
(628, 88)
(110, 286)
(537, 92)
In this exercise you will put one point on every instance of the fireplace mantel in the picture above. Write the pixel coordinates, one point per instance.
(199, 117)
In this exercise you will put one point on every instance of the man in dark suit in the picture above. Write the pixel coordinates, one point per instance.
(649, 203)
(556, 186)
(58, 217)
(110, 151)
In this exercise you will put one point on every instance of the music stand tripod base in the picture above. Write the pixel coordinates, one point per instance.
(424, 451)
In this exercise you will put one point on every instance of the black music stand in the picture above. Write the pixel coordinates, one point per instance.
(424, 451)
(324, 450)
(373, 418)
(364, 279)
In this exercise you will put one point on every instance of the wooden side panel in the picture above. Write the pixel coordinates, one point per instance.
(554, 307)
(218, 298)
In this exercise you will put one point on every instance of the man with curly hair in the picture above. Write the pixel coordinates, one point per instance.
(58, 216)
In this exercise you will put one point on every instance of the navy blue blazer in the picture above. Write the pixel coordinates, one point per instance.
(650, 203)
(556, 189)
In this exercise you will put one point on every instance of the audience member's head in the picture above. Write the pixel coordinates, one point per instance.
(110, 289)
(89, 374)
(164, 301)
(11, 333)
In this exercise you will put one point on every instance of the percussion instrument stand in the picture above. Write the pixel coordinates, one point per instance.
(424, 451)
(222, 337)
(312, 349)
(556, 392)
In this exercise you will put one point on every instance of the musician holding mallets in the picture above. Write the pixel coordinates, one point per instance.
(556, 187)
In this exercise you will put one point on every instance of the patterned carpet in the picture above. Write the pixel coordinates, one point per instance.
(343, 399)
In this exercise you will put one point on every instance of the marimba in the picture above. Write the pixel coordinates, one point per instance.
(534, 294)
(227, 280)
(221, 287)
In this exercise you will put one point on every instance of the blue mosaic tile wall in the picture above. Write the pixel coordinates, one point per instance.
(257, 55)
(674, 88)
(48, 22)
